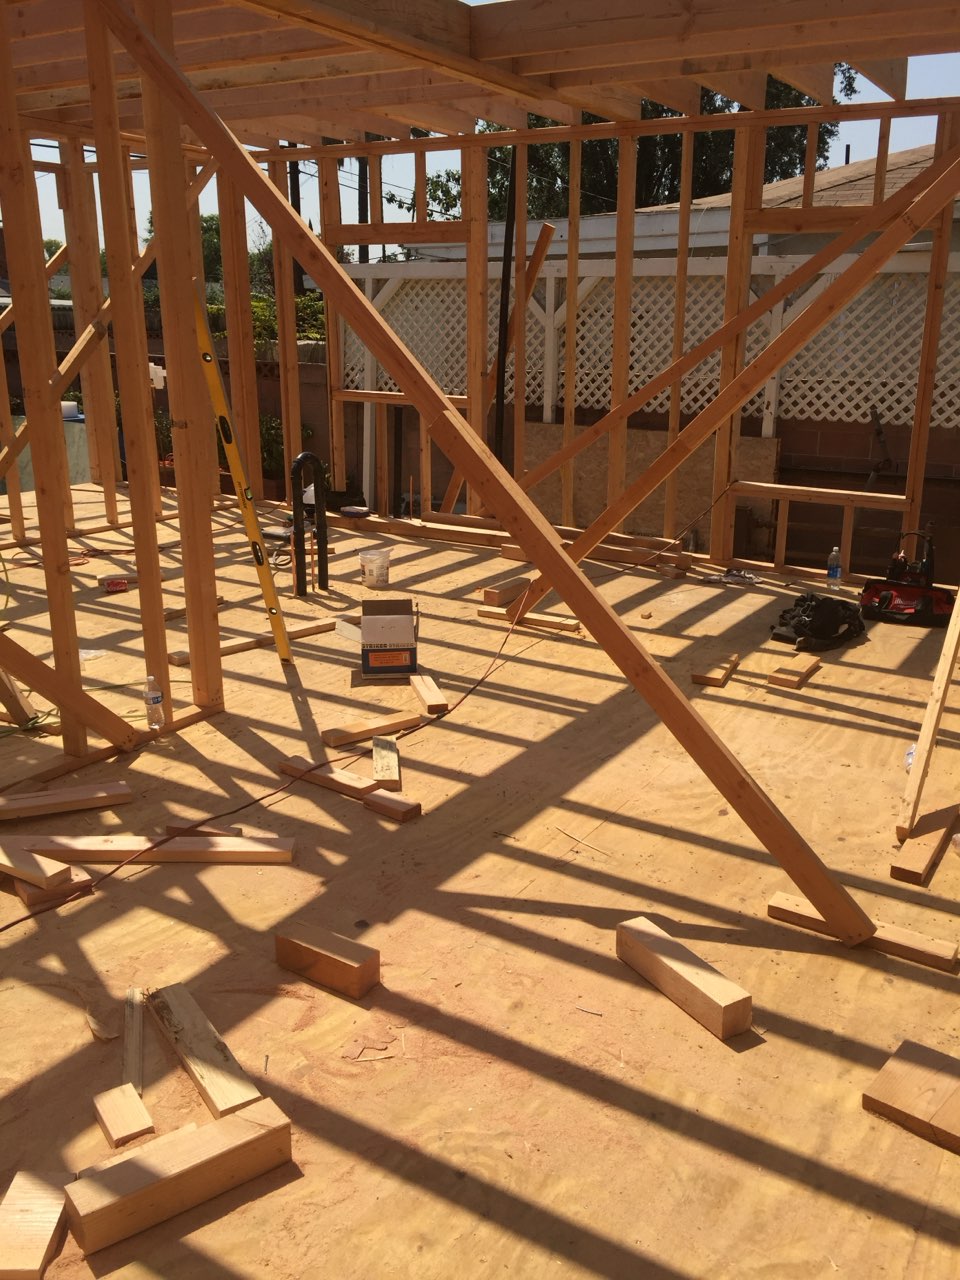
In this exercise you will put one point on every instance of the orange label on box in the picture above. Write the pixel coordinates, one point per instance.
(389, 658)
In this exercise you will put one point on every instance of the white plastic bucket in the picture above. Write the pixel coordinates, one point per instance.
(375, 568)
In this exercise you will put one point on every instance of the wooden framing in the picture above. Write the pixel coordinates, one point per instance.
(531, 62)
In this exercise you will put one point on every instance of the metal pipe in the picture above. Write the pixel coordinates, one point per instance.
(319, 523)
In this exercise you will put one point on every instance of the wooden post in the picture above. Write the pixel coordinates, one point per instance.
(679, 322)
(426, 468)
(501, 493)
(204, 442)
(747, 184)
(96, 375)
(520, 314)
(382, 453)
(947, 131)
(330, 216)
(36, 350)
(288, 355)
(6, 442)
(622, 313)
(191, 411)
(474, 163)
(570, 327)
(240, 349)
(130, 343)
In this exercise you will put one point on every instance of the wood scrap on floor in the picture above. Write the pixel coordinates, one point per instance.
(156, 1145)
(21, 709)
(386, 764)
(109, 849)
(191, 1167)
(546, 621)
(505, 593)
(428, 691)
(348, 627)
(327, 958)
(392, 805)
(923, 849)
(222, 1082)
(20, 861)
(181, 658)
(794, 673)
(31, 896)
(919, 1089)
(31, 1224)
(716, 1002)
(122, 1115)
(38, 804)
(173, 612)
(361, 730)
(342, 781)
(717, 675)
(891, 939)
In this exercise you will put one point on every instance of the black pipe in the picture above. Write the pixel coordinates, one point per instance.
(508, 225)
(319, 523)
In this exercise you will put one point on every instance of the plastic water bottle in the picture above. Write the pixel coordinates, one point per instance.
(153, 701)
(908, 758)
(833, 569)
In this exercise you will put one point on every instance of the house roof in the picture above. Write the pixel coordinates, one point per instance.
(309, 70)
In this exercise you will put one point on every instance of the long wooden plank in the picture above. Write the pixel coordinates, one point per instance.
(716, 1002)
(41, 803)
(155, 1145)
(180, 658)
(505, 593)
(329, 959)
(108, 849)
(361, 730)
(329, 776)
(502, 495)
(223, 1084)
(24, 864)
(159, 1180)
(392, 805)
(891, 939)
(122, 1115)
(549, 621)
(31, 1225)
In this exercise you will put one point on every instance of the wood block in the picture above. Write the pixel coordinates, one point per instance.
(428, 691)
(719, 674)
(393, 805)
(31, 1224)
(122, 1114)
(329, 776)
(548, 621)
(226, 850)
(328, 959)
(360, 730)
(386, 764)
(40, 803)
(695, 986)
(32, 896)
(917, 1088)
(348, 627)
(222, 1082)
(920, 853)
(24, 864)
(161, 1179)
(666, 570)
(796, 672)
(21, 709)
(506, 592)
(889, 938)
(155, 1145)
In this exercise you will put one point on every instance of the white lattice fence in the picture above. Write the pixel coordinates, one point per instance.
(867, 357)
(429, 316)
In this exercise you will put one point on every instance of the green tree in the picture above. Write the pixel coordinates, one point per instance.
(50, 247)
(658, 161)
(209, 243)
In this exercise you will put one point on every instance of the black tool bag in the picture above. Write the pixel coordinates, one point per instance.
(907, 594)
(816, 623)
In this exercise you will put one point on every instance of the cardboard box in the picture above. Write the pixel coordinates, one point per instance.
(388, 638)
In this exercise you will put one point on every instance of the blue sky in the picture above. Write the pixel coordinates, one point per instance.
(936, 76)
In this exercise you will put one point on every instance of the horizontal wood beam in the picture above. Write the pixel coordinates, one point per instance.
(397, 233)
(824, 497)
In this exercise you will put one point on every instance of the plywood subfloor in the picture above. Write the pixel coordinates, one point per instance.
(511, 1100)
